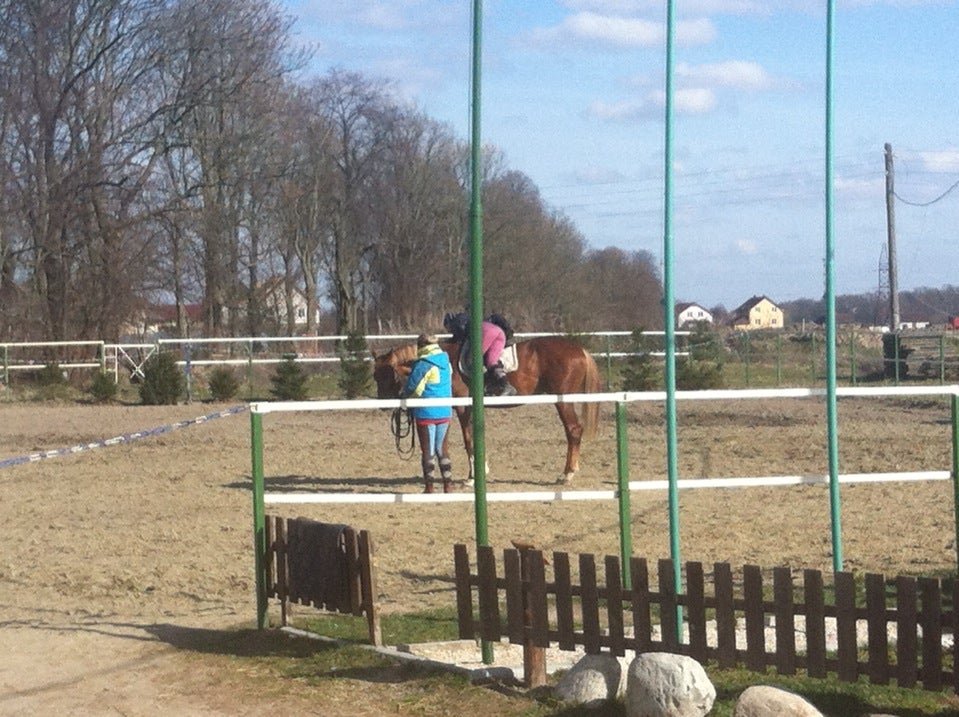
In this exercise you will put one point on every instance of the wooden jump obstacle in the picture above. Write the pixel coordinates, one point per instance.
(541, 610)
(329, 566)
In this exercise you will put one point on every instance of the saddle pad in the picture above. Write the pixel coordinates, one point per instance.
(508, 358)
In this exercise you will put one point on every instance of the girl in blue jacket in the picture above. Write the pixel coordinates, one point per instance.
(432, 377)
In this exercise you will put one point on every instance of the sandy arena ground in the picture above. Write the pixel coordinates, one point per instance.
(119, 560)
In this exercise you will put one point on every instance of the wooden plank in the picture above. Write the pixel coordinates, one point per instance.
(536, 616)
(668, 617)
(639, 595)
(368, 580)
(814, 600)
(353, 590)
(282, 568)
(536, 597)
(696, 610)
(755, 618)
(846, 627)
(515, 597)
(269, 571)
(589, 594)
(464, 593)
(877, 629)
(614, 606)
(487, 593)
(785, 621)
(725, 615)
(906, 625)
(564, 601)
(931, 623)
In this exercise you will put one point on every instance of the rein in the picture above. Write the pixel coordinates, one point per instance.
(401, 425)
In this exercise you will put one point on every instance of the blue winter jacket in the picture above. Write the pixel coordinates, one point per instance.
(431, 377)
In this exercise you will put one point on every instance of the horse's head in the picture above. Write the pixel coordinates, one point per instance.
(390, 371)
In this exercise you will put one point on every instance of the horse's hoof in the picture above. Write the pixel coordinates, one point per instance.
(469, 483)
(565, 478)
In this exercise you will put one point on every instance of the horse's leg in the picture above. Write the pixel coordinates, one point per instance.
(574, 435)
(465, 415)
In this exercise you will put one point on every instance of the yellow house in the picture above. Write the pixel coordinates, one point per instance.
(759, 312)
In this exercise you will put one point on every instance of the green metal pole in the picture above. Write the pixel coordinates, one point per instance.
(831, 409)
(476, 295)
(955, 468)
(625, 518)
(259, 516)
(669, 321)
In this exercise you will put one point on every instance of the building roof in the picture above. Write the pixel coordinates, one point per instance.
(741, 312)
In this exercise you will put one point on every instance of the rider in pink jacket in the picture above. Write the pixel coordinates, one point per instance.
(493, 343)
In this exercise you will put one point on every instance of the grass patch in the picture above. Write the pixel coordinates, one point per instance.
(429, 626)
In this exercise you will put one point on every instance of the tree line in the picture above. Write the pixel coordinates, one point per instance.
(178, 151)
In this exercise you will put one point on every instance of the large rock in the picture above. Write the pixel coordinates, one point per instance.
(593, 680)
(660, 684)
(764, 701)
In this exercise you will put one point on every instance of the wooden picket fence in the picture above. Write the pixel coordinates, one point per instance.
(328, 566)
(529, 607)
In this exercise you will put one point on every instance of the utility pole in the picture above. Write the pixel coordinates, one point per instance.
(891, 235)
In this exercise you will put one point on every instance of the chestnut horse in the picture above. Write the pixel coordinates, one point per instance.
(546, 365)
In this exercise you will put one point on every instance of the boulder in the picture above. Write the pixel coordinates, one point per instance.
(660, 684)
(593, 680)
(764, 701)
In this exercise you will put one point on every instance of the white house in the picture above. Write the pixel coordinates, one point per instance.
(691, 313)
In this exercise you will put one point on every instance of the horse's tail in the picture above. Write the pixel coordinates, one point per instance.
(591, 384)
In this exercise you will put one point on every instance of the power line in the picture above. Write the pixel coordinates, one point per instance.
(929, 203)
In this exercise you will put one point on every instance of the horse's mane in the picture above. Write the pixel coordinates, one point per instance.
(403, 354)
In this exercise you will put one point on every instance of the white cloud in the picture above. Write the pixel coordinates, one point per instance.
(621, 31)
(692, 101)
(946, 160)
(746, 247)
(688, 7)
(860, 188)
(735, 74)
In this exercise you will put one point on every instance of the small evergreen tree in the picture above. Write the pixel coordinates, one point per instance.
(640, 373)
(355, 377)
(703, 367)
(103, 388)
(163, 382)
(223, 384)
(289, 380)
(51, 375)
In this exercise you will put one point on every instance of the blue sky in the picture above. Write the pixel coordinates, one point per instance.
(573, 97)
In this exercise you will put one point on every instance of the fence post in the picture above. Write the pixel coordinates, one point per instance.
(942, 359)
(746, 347)
(622, 463)
(852, 357)
(895, 344)
(812, 362)
(188, 370)
(6, 365)
(249, 368)
(259, 519)
(779, 360)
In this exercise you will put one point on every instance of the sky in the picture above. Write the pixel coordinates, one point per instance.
(573, 96)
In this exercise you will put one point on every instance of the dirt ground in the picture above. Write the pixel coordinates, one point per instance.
(120, 563)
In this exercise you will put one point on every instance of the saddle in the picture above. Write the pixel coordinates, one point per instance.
(508, 358)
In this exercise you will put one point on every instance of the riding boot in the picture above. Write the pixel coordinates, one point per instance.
(501, 385)
(446, 472)
(428, 475)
